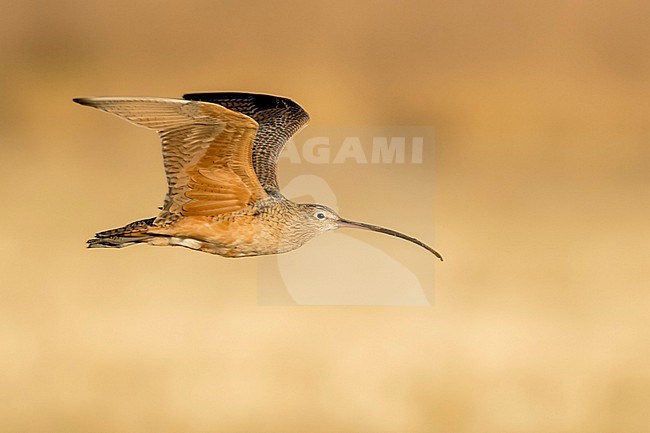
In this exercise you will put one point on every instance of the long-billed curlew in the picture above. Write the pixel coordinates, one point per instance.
(220, 152)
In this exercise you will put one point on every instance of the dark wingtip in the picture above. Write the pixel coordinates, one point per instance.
(82, 101)
(261, 100)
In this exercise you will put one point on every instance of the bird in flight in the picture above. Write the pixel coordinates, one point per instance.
(220, 152)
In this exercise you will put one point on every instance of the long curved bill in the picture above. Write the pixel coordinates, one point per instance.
(354, 224)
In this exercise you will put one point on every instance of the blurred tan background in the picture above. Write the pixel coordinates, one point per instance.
(542, 194)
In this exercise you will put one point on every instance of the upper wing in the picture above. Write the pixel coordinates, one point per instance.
(207, 152)
(278, 119)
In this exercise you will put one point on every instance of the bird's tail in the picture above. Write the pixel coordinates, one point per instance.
(130, 234)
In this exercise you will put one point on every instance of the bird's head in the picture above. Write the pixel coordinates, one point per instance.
(317, 219)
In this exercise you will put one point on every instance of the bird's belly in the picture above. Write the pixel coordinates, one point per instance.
(233, 237)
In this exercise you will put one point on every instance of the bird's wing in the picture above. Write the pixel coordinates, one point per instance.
(278, 119)
(207, 152)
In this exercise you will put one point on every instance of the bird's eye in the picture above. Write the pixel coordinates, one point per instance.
(320, 215)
